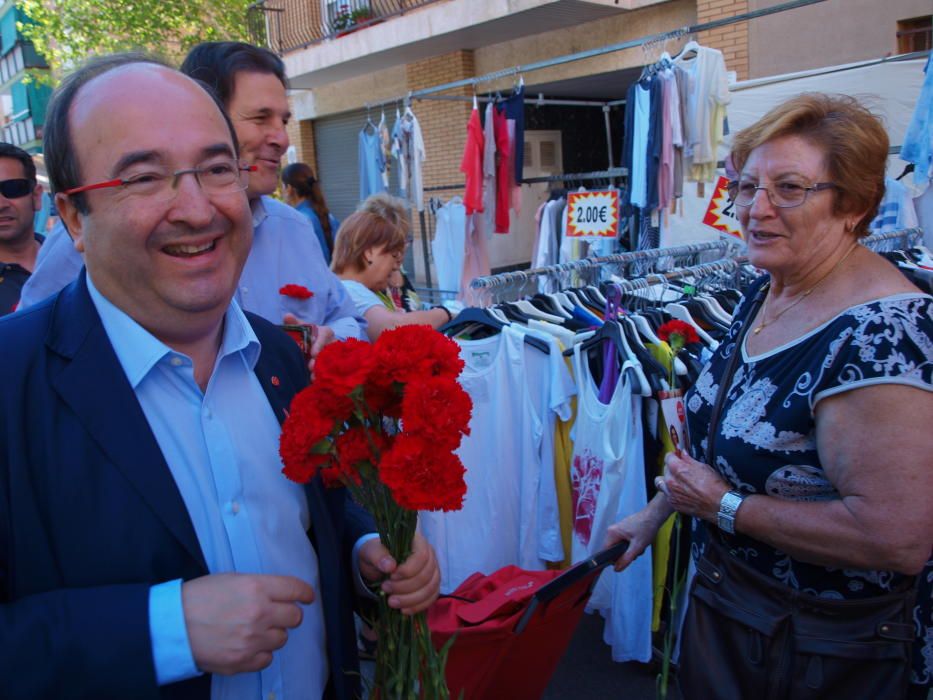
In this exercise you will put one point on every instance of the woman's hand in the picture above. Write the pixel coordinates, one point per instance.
(692, 487)
(639, 529)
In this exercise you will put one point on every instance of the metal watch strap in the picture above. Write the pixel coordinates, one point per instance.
(728, 507)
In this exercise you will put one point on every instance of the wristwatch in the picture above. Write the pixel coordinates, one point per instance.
(728, 507)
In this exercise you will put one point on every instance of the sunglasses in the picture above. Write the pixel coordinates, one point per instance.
(16, 188)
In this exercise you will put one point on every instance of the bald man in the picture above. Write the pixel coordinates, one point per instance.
(149, 545)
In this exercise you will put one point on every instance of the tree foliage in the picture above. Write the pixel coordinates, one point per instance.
(67, 32)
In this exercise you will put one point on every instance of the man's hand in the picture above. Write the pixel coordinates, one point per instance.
(323, 335)
(411, 587)
(236, 621)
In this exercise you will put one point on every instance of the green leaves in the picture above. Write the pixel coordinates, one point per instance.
(67, 32)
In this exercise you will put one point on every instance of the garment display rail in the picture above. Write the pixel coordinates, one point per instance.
(507, 278)
(611, 48)
(716, 267)
(499, 285)
(905, 238)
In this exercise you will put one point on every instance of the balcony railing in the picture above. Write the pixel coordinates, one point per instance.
(286, 25)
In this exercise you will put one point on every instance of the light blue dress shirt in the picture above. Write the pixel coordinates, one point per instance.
(285, 251)
(221, 446)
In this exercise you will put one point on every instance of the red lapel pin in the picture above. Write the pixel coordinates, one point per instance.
(275, 380)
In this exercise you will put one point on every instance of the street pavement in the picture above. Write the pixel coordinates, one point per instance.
(588, 671)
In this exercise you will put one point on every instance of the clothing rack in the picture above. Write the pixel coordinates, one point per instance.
(728, 247)
(650, 40)
(726, 265)
(507, 278)
(608, 174)
(908, 236)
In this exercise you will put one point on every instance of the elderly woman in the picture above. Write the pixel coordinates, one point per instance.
(811, 475)
(370, 246)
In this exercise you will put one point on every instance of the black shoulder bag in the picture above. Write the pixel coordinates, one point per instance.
(749, 636)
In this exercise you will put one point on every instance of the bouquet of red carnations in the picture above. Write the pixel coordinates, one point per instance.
(383, 421)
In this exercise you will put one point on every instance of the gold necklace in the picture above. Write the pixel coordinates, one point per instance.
(764, 309)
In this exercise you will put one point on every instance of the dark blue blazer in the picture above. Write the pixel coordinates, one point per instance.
(90, 516)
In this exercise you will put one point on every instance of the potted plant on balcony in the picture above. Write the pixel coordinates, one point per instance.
(343, 20)
(348, 21)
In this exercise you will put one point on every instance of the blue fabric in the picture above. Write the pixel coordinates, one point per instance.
(371, 163)
(628, 142)
(284, 252)
(885, 341)
(586, 317)
(918, 142)
(221, 446)
(57, 264)
(100, 520)
(655, 134)
(514, 108)
(171, 648)
(315, 220)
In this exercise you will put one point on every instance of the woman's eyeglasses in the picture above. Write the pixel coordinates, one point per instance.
(782, 194)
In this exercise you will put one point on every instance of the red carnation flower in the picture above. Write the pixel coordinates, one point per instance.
(410, 353)
(304, 444)
(437, 409)
(670, 330)
(296, 291)
(342, 367)
(421, 477)
(354, 448)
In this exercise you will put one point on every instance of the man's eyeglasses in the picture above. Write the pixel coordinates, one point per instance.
(781, 194)
(215, 177)
(16, 188)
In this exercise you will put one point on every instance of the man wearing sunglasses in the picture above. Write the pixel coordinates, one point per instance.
(20, 198)
(251, 84)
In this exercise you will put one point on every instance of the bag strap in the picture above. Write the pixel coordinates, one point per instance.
(726, 379)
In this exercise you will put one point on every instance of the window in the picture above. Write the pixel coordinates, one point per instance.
(915, 34)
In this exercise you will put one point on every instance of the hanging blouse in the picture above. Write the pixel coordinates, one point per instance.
(471, 165)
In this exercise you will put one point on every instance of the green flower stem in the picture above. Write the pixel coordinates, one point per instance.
(680, 579)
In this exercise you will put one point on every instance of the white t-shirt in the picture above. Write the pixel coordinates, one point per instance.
(517, 391)
(363, 297)
(449, 244)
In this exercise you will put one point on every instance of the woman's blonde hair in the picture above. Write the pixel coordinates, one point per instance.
(379, 222)
(853, 140)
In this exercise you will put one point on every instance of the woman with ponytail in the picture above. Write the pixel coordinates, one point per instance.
(302, 191)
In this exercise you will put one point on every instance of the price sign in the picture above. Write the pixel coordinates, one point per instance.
(593, 215)
(720, 213)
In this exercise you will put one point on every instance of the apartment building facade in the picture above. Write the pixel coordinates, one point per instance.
(353, 60)
(22, 101)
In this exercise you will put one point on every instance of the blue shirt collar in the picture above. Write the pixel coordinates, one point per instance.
(139, 351)
(260, 214)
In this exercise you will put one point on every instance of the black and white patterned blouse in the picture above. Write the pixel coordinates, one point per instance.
(766, 442)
